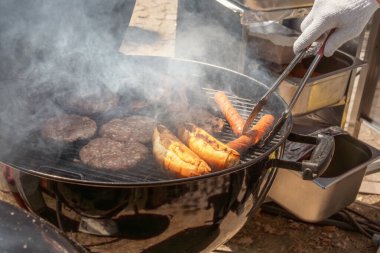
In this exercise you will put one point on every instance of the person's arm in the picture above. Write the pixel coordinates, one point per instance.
(348, 17)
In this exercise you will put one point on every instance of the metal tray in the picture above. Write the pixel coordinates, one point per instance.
(271, 5)
(314, 201)
(326, 89)
(271, 42)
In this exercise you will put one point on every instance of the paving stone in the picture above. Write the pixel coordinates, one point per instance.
(155, 17)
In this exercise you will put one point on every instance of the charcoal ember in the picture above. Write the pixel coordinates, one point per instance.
(105, 153)
(68, 128)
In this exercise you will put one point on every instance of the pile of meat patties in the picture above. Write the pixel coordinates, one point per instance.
(183, 142)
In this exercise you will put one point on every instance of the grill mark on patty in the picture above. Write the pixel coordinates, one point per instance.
(133, 128)
(68, 128)
(89, 102)
(105, 153)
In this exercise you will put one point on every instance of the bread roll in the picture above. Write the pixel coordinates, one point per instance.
(216, 154)
(173, 155)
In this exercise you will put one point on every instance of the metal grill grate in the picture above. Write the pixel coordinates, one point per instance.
(67, 165)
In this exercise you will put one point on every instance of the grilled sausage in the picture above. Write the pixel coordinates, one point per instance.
(251, 138)
(217, 155)
(173, 155)
(230, 113)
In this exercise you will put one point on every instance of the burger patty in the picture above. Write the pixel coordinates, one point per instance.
(198, 116)
(133, 128)
(105, 153)
(204, 119)
(68, 128)
(89, 103)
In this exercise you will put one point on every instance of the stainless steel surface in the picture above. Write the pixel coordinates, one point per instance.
(303, 82)
(249, 15)
(234, 6)
(316, 200)
(265, 5)
(192, 217)
(277, 15)
(264, 99)
(271, 5)
(271, 42)
(280, 79)
(326, 89)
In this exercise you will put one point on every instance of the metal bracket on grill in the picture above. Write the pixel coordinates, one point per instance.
(319, 160)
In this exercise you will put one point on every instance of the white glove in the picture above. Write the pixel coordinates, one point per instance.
(348, 17)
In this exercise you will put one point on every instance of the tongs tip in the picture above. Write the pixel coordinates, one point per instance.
(257, 108)
(255, 111)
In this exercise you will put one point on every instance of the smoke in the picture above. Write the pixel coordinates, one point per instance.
(209, 32)
(47, 47)
(53, 40)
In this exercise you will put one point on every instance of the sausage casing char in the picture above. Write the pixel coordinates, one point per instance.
(253, 136)
(173, 155)
(232, 116)
(216, 154)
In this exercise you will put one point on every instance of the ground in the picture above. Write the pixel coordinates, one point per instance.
(268, 233)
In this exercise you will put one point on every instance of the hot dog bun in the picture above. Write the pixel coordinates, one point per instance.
(216, 154)
(173, 155)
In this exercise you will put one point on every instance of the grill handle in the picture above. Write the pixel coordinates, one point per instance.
(319, 160)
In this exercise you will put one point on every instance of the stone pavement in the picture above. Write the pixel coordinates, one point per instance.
(152, 29)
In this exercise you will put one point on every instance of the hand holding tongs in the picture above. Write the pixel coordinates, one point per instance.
(264, 99)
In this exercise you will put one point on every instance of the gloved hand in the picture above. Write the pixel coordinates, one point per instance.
(348, 17)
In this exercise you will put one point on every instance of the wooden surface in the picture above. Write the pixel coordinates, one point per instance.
(374, 113)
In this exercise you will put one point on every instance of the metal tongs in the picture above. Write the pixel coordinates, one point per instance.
(264, 99)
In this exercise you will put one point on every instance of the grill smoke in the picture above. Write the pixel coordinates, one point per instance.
(50, 47)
